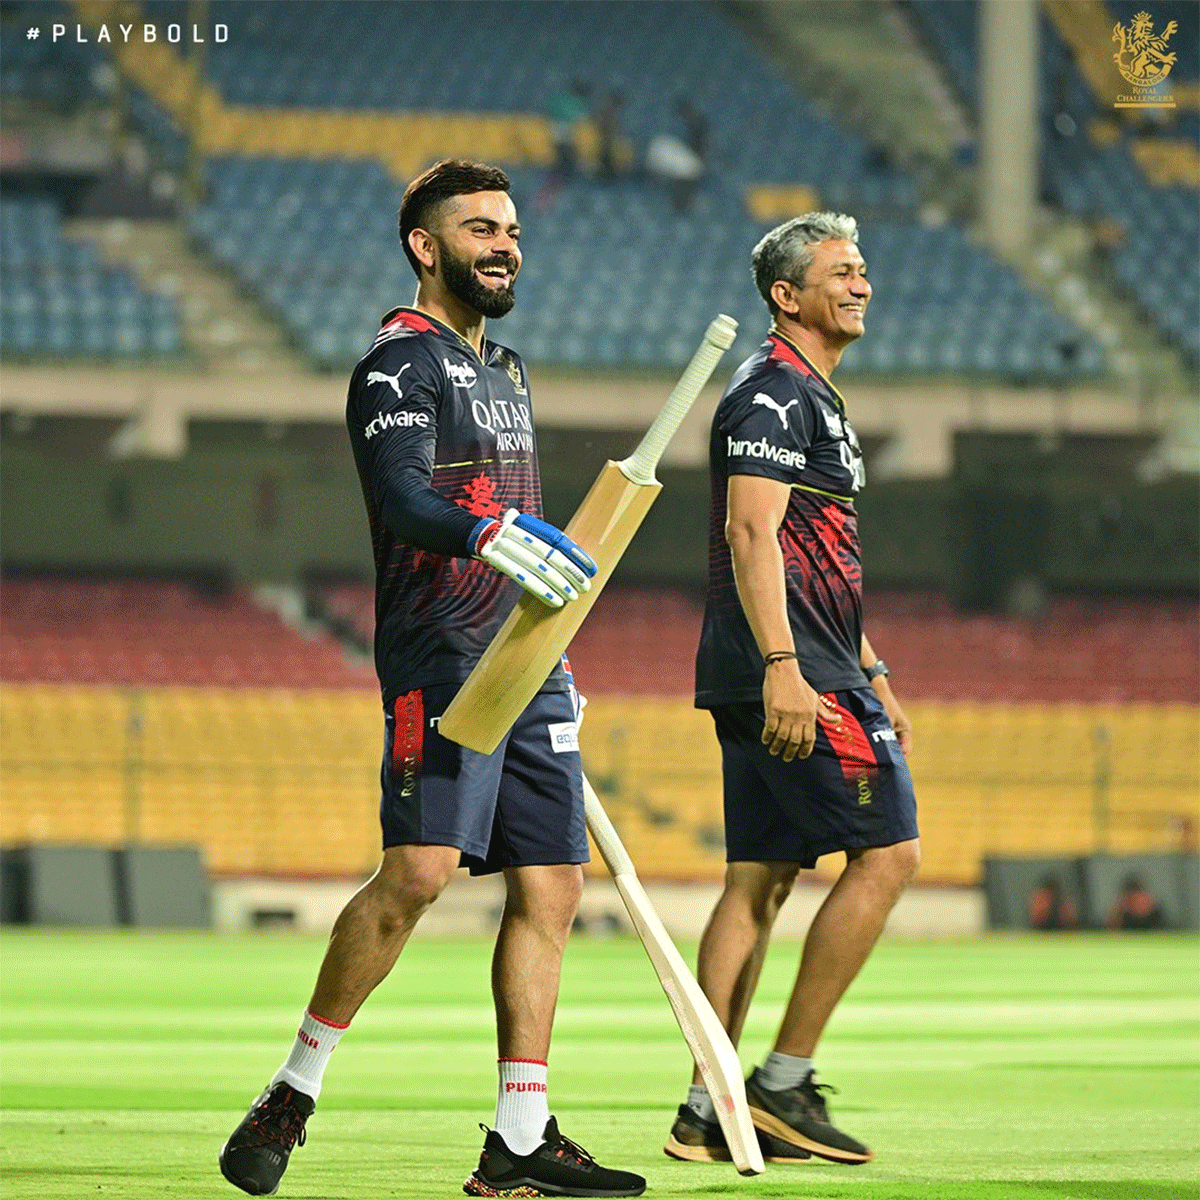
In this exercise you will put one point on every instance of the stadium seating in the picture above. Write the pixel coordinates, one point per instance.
(307, 151)
(60, 76)
(316, 241)
(146, 710)
(642, 641)
(158, 633)
(1095, 169)
(58, 297)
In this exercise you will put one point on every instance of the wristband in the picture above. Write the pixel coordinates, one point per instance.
(877, 668)
(778, 656)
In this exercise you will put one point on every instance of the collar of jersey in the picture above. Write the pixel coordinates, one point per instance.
(841, 400)
(448, 330)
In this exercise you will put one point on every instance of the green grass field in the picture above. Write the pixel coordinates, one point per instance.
(1017, 1067)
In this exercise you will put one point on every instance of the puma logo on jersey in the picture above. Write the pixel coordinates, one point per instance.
(393, 381)
(769, 402)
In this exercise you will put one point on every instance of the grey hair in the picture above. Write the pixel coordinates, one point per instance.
(787, 251)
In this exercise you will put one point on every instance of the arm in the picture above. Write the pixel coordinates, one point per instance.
(756, 507)
(400, 442)
(883, 689)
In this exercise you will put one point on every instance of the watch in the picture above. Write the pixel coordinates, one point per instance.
(877, 668)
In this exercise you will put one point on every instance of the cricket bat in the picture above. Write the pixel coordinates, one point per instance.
(533, 638)
(706, 1038)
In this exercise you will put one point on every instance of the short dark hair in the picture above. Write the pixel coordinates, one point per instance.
(443, 181)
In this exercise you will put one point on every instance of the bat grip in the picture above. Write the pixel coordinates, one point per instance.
(639, 466)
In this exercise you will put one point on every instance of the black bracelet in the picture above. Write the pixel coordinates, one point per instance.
(778, 656)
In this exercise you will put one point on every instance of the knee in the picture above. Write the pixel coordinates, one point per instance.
(896, 865)
(404, 891)
(761, 887)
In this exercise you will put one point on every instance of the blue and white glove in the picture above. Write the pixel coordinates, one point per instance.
(542, 559)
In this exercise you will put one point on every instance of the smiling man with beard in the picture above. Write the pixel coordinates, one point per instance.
(441, 428)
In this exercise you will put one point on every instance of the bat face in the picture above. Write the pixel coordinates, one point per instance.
(525, 650)
(529, 643)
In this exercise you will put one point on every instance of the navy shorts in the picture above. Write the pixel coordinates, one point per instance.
(519, 806)
(853, 792)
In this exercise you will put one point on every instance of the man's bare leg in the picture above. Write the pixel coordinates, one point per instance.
(376, 923)
(841, 937)
(527, 962)
(367, 939)
(733, 946)
(785, 1101)
(526, 967)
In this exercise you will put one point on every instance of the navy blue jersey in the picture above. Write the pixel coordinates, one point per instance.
(781, 419)
(424, 405)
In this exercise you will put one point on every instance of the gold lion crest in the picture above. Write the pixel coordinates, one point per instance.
(1142, 56)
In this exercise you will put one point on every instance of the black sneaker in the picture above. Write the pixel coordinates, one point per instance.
(693, 1139)
(256, 1155)
(558, 1167)
(799, 1117)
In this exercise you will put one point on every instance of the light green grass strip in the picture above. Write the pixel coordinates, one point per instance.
(1036, 1069)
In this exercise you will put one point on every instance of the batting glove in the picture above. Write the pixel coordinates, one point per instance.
(542, 559)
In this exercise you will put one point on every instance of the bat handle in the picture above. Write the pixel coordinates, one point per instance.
(639, 466)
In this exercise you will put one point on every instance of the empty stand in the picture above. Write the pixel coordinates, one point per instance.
(138, 632)
(57, 297)
(149, 712)
(1136, 181)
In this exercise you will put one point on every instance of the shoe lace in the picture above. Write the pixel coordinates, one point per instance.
(564, 1145)
(278, 1120)
(812, 1090)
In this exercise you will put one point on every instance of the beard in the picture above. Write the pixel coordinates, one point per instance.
(462, 282)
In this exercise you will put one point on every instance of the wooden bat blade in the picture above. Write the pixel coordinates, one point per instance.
(711, 1048)
(533, 637)
(530, 642)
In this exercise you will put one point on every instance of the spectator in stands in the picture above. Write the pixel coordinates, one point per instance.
(566, 112)
(612, 150)
(813, 741)
(439, 423)
(1050, 908)
(1135, 908)
(695, 129)
(679, 161)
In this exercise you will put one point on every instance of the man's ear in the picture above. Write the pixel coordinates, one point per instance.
(784, 293)
(421, 243)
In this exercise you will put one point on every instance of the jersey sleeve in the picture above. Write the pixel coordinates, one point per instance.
(397, 403)
(768, 423)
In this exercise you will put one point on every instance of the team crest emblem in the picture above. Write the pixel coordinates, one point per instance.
(514, 373)
(1142, 56)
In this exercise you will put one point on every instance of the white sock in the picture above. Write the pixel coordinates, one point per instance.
(316, 1040)
(521, 1107)
(781, 1071)
(700, 1102)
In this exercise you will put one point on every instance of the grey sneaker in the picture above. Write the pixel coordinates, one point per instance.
(799, 1117)
(693, 1139)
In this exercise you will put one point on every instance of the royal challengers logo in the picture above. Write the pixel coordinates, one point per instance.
(1144, 61)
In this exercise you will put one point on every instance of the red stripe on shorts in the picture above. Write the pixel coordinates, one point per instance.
(408, 742)
(852, 745)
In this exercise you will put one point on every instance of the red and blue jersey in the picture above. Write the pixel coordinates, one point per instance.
(425, 410)
(780, 418)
